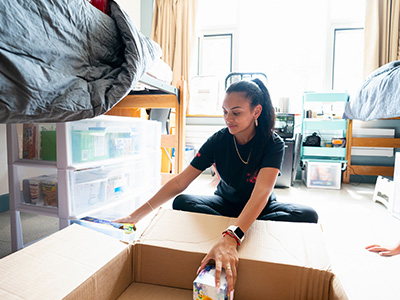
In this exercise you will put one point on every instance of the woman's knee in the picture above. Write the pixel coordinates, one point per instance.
(180, 202)
(309, 215)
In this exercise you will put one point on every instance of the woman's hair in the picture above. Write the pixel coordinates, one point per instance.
(256, 92)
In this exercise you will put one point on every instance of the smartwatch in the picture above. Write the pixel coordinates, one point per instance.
(236, 231)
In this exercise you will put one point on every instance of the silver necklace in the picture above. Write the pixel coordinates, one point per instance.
(237, 151)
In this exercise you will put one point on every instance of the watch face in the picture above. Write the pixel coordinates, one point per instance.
(239, 232)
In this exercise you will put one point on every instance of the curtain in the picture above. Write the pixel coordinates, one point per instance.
(173, 28)
(382, 26)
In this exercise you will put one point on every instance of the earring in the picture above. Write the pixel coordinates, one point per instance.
(255, 122)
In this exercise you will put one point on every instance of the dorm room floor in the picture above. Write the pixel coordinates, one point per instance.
(349, 218)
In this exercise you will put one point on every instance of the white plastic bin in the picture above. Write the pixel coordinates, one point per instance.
(107, 137)
(323, 175)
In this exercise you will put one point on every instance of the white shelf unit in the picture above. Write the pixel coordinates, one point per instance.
(127, 173)
(325, 120)
(322, 164)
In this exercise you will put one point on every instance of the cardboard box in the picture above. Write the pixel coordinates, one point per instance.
(278, 260)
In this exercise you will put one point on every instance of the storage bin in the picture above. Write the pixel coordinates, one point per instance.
(146, 168)
(88, 189)
(112, 137)
(153, 129)
(93, 188)
(325, 175)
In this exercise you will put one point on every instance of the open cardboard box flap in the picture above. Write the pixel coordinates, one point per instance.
(278, 260)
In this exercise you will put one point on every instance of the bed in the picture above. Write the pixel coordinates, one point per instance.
(66, 60)
(377, 99)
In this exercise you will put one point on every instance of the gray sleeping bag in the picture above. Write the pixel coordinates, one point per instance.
(66, 60)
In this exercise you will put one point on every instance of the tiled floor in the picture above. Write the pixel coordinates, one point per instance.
(349, 218)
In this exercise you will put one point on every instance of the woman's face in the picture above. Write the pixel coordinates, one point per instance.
(238, 115)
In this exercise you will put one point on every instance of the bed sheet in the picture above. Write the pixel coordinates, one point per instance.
(378, 97)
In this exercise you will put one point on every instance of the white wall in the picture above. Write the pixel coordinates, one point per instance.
(132, 8)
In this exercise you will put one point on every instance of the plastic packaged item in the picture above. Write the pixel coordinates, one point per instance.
(49, 189)
(121, 144)
(48, 149)
(29, 142)
(34, 190)
(204, 285)
(127, 227)
(89, 145)
(40, 190)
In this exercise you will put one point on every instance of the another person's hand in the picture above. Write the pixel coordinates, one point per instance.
(384, 251)
(225, 255)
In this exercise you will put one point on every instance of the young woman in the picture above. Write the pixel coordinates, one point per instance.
(248, 156)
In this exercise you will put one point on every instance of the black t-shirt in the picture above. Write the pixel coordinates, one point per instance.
(236, 183)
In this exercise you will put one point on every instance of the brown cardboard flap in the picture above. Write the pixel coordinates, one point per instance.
(142, 291)
(165, 266)
(337, 291)
(299, 244)
(109, 282)
(262, 280)
(184, 230)
(56, 265)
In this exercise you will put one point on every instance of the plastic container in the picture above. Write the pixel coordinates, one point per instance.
(107, 137)
(324, 175)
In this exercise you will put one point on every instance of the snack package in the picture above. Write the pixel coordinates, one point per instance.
(49, 188)
(204, 285)
(127, 227)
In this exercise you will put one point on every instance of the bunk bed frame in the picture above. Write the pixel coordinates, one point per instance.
(166, 96)
(367, 142)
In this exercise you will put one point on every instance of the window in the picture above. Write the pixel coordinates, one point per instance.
(348, 49)
(308, 45)
(215, 55)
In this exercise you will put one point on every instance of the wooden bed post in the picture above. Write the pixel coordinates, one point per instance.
(346, 174)
(180, 127)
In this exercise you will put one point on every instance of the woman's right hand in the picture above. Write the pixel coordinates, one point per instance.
(127, 219)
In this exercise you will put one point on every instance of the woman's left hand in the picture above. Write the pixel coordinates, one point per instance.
(225, 255)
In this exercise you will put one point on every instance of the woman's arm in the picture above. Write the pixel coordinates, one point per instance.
(224, 252)
(259, 197)
(169, 190)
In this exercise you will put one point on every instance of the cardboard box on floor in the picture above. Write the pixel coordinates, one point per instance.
(278, 260)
